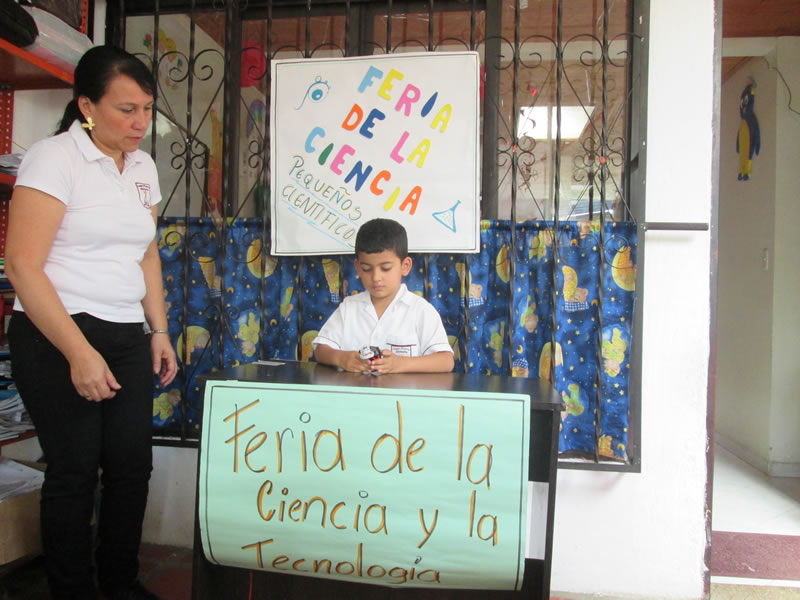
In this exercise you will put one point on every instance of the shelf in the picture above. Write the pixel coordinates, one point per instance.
(7, 180)
(21, 70)
(22, 436)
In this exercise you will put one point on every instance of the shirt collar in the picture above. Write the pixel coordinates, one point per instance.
(402, 295)
(88, 148)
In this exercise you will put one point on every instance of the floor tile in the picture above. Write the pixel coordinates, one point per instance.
(755, 555)
(172, 584)
(748, 500)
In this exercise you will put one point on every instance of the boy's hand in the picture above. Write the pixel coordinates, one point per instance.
(352, 361)
(387, 363)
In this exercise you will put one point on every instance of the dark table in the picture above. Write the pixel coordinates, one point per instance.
(215, 582)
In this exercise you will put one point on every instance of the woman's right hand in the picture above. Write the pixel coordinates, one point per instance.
(91, 376)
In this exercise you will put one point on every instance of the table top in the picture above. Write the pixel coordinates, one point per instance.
(542, 394)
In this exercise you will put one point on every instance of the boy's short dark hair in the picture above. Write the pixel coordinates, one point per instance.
(378, 235)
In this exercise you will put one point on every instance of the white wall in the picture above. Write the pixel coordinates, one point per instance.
(758, 408)
(644, 535)
(169, 519)
(785, 428)
(746, 225)
(36, 115)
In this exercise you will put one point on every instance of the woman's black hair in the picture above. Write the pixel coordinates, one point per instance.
(95, 70)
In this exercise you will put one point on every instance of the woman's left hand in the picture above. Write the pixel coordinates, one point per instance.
(165, 364)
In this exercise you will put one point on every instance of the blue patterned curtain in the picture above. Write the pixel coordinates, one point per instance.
(534, 302)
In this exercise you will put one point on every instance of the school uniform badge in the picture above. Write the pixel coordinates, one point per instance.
(144, 194)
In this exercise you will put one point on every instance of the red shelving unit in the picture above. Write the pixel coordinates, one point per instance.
(21, 70)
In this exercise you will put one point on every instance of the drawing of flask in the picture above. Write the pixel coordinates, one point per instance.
(448, 217)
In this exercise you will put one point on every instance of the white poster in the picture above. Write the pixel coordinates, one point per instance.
(396, 487)
(391, 136)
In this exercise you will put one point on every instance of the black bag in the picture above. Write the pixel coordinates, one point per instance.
(68, 11)
(16, 25)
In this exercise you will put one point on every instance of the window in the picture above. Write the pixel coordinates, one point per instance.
(562, 115)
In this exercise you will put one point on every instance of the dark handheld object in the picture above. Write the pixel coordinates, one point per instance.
(16, 25)
(370, 353)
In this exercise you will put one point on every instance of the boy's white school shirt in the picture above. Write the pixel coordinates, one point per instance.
(410, 326)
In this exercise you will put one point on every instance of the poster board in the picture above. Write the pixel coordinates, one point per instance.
(390, 136)
(407, 488)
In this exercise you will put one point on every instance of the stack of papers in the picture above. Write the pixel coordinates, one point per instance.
(14, 419)
(9, 163)
(16, 479)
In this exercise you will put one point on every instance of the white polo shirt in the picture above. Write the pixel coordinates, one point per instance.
(94, 263)
(410, 326)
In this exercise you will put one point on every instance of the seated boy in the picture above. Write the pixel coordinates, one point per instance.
(406, 327)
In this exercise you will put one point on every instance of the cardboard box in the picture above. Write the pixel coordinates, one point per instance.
(20, 530)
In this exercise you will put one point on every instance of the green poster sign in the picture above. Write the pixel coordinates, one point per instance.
(398, 487)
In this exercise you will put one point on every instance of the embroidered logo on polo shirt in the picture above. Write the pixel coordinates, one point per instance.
(144, 194)
(401, 349)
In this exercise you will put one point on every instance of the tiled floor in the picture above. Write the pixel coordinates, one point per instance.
(745, 502)
(745, 499)
(167, 571)
(164, 570)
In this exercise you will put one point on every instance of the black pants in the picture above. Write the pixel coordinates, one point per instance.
(78, 438)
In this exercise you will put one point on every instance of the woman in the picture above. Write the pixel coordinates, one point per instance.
(82, 257)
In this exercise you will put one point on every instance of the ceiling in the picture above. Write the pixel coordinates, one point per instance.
(757, 18)
(760, 18)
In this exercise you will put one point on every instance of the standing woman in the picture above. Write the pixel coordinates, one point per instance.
(82, 257)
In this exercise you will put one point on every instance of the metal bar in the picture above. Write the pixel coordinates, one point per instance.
(472, 26)
(467, 259)
(669, 226)
(307, 49)
(559, 98)
(491, 87)
(637, 167)
(430, 25)
(511, 255)
(364, 33)
(347, 31)
(426, 265)
(299, 291)
(156, 65)
(115, 22)
(187, 215)
(556, 184)
(265, 230)
(230, 150)
(606, 467)
(389, 27)
(604, 152)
